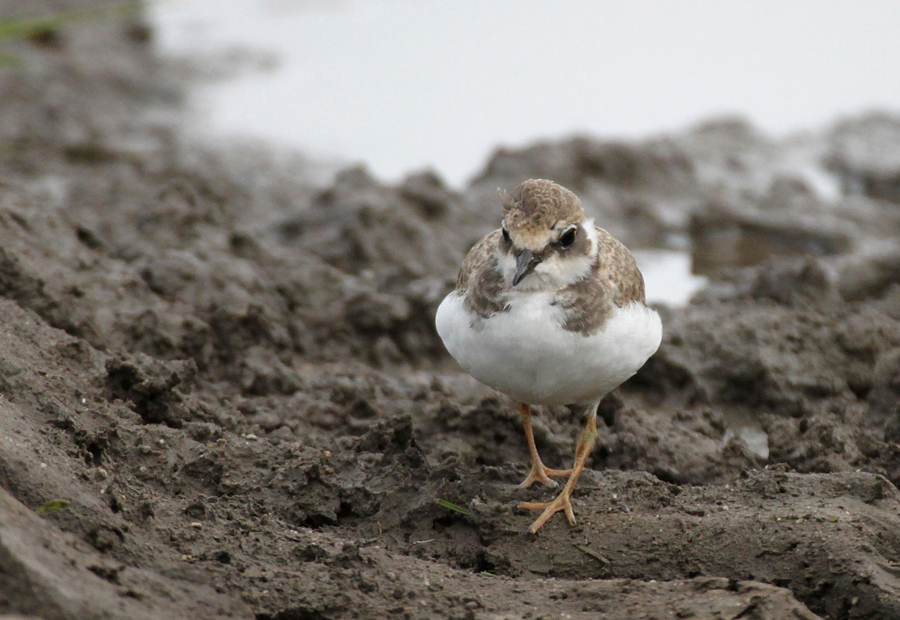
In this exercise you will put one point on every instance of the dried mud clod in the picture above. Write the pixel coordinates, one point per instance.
(149, 385)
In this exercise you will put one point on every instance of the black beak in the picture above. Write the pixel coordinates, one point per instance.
(525, 264)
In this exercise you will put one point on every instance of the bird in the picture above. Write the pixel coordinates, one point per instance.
(550, 310)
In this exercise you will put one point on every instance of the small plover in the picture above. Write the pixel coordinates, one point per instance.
(549, 310)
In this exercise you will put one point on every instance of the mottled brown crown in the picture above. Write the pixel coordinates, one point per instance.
(536, 205)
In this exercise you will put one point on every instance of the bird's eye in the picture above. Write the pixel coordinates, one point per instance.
(568, 238)
(505, 235)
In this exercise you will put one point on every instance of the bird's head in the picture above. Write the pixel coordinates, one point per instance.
(546, 242)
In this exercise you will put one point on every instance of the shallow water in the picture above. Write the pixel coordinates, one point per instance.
(402, 85)
(667, 275)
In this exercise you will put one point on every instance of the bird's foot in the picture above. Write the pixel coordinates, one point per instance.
(542, 474)
(561, 503)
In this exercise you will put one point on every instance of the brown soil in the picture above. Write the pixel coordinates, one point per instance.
(231, 376)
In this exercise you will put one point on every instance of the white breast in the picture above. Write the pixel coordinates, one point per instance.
(526, 353)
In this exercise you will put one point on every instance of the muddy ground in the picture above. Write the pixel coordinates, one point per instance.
(230, 375)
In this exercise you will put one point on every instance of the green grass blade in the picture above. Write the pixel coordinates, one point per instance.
(53, 506)
(24, 28)
(451, 506)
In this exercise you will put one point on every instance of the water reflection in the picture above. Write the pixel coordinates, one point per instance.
(667, 275)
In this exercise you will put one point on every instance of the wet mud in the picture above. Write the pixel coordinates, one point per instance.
(222, 394)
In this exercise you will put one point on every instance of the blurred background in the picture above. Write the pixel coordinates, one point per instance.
(402, 85)
(698, 132)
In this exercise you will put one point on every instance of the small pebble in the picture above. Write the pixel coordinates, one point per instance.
(284, 433)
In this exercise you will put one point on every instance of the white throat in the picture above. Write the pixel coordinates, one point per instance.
(554, 273)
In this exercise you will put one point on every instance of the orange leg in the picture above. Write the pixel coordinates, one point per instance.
(562, 503)
(539, 473)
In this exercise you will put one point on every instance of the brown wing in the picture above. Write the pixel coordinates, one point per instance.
(480, 278)
(480, 253)
(614, 280)
(618, 265)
